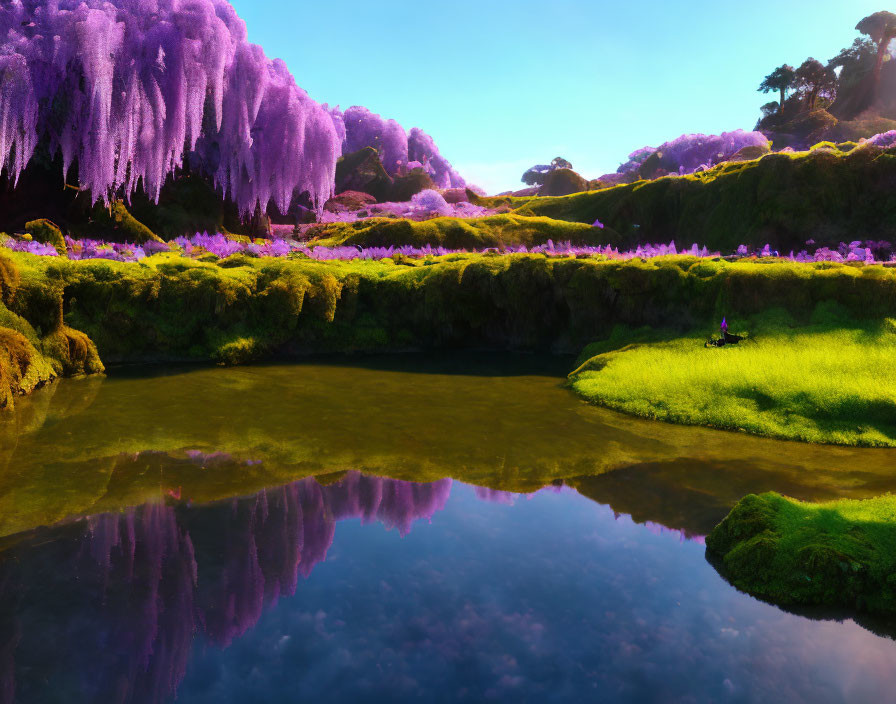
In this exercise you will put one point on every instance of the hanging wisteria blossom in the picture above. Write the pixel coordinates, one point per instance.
(399, 151)
(126, 89)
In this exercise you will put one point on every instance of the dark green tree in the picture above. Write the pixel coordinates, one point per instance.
(813, 79)
(881, 27)
(781, 80)
(535, 176)
(770, 109)
(538, 173)
(857, 58)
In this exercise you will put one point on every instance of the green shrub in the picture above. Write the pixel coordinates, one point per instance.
(562, 182)
(406, 187)
(46, 231)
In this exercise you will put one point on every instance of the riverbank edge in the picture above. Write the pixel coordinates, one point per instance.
(243, 309)
(838, 555)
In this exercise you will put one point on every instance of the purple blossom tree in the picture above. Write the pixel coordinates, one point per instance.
(422, 148)
(399, 151)
(366, 129)
(691, 152)
(128, 89)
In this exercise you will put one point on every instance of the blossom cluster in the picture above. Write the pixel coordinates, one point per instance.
(424, 205)
(400, 151)
(867, 252)
(695, 152)
(132, 90)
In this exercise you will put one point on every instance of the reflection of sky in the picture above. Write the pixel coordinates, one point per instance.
(551, 599)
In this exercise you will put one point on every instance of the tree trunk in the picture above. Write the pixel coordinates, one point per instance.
(259, 224)
(881, 50)
(781, 104)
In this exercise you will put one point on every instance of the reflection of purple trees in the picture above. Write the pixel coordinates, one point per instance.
(148, 575)
(123, 600)
(386, 501)
(495, 496)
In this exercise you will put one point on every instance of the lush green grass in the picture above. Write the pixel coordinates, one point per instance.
(818, 383)
(838, 554)
(458, 233)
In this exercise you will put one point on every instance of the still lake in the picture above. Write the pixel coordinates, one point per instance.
(457, 528)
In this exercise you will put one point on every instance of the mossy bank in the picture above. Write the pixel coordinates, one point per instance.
(833, 193)
(241, 309)
(839, 555)
(36, 351)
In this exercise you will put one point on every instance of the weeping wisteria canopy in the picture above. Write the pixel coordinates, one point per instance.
(128, 90)
(399, 151)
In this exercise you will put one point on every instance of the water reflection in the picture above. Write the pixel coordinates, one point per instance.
(128, 593)
(172, 586)
(508, 426)
(551, 599)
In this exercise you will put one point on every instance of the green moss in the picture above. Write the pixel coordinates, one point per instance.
(172, 307)
(113, 223)
(132, 229)
(459, 233)
(16, 358)
(840, 554)
(28, 361)
(46, 231)
(71, 352)
(35, 345)
(9, 279)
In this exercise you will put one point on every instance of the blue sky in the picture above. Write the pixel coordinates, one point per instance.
(502, 85)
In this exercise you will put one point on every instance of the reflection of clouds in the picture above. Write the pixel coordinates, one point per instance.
(535, 610)
(537, 615)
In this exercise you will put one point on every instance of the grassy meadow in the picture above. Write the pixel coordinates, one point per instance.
(829, 381)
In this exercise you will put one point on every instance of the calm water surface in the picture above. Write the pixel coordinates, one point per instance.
(459, 529)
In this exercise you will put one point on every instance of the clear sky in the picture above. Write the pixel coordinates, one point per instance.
(502, 85)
